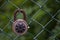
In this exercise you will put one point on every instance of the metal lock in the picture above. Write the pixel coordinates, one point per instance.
(20, 26)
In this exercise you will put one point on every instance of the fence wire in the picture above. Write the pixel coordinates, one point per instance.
(31, 19)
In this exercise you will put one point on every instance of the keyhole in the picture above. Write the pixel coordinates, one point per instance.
(20, 28)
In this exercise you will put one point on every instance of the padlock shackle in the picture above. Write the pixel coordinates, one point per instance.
(19, 10)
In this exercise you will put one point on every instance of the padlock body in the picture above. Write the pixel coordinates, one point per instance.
(20, 26)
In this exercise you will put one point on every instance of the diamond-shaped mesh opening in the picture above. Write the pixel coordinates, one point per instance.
(43, 15)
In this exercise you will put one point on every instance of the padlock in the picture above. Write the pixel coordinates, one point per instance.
(20, 26)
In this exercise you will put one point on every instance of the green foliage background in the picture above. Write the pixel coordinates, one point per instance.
(33, 12)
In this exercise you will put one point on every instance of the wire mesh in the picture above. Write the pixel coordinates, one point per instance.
(5, 28)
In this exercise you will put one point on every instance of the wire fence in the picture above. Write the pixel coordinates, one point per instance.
(35, 36)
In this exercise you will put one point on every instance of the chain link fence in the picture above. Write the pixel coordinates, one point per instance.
(41, 32)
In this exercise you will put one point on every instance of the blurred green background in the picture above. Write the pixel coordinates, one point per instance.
(43, 18)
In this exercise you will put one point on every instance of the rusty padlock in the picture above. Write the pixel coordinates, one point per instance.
(20, 26)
